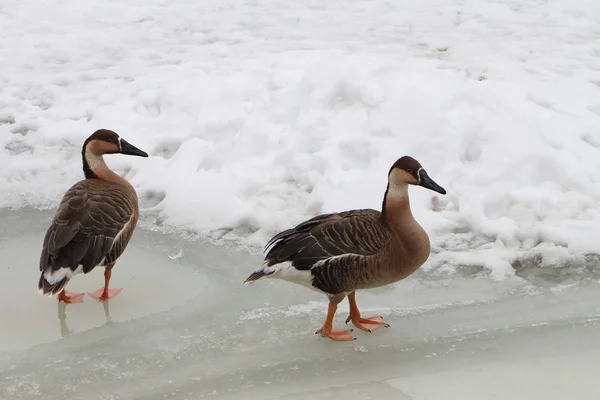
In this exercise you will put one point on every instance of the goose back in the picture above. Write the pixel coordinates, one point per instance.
(341, 250)
(92, 226)
(324, 236)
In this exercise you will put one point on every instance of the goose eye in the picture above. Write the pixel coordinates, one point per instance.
(409, 170)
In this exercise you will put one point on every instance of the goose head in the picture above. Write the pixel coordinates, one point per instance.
(408, 171)
(105, 141)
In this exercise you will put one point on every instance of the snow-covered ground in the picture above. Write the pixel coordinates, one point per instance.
(261, 113)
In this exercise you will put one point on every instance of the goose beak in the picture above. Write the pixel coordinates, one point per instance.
(427, 182)
(131, 150)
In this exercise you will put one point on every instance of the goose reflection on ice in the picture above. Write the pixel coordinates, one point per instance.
(62, 317)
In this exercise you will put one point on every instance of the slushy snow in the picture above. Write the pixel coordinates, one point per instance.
(260, 114)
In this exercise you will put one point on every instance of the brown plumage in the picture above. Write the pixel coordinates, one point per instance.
(339, 253)
(94, 221)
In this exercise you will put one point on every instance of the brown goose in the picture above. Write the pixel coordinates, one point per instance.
(339, 253)
(93, 223)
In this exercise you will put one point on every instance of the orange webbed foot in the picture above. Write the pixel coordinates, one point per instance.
(101, 294)
(336, 334)
(70, 297)
(367, 324)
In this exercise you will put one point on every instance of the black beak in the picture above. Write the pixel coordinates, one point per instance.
(130, 149)
(427, 182)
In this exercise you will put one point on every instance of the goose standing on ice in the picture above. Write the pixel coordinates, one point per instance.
(339, 253)
(93, 223)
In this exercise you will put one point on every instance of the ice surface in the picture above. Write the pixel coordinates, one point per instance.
(259, 114)
(205, 335)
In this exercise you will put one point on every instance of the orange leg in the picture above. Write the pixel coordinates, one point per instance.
(69, 297)
(327, 329)
(105, 293)
(366, 324)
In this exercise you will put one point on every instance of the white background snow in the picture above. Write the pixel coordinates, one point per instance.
(259, 114)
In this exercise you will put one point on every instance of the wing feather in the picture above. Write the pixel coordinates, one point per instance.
(357, 232)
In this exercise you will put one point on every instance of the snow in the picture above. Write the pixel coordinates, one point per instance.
(259, 114)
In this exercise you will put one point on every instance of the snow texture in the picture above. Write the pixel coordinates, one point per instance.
(261, 113)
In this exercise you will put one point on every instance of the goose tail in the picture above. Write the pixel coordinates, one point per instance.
(48, 288)
(259, 274)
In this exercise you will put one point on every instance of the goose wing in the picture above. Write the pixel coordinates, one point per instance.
(357, 232)
(89, 218)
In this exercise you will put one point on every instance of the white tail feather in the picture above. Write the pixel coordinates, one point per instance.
(58, 275)
(285, 271)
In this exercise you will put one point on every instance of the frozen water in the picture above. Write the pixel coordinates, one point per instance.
(261, 113)
(186, 328)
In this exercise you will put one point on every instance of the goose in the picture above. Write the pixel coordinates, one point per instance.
(93, 223)
(339, 253)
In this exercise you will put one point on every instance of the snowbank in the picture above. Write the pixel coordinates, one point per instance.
(261, 114)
